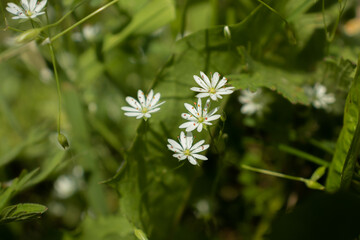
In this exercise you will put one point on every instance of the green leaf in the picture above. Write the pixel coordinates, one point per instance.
(16, 185)
(319, 172)
(21, 212)
(153, 15)
(288, 84)
(348, 143)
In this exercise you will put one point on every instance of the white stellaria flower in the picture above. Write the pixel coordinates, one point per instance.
(252, 102)
(318, 96)
(28, 9)
(186, 149)
(197, 116)
(213, 89)
(144, 107)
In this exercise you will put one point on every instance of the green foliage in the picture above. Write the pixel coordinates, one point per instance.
(347, 148)
(21, 212)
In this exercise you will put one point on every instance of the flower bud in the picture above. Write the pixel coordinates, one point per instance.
(227, 32)
(63, 141)
(28, 35)
(314, 185)
(140, 234)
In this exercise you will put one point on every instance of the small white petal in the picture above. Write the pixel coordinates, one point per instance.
(199, 156)
(191, 109)
(202, 95)
(222, 82)
(183, 140)
(186, 125)
(40, 5)
(129, 109)
(200, 82)
(175, 145)
(32, 5)
(191, 127)
(141, 98)
(25, 4)
(213, 97)
(180, 156)
(198, 144)
(154, 110)
(140, 116)
(215, 79)
(212, 118)
(155, 99)
(149, 97)
(197, 89)
(201, 148)
(199, 128)
(133, 102)
(133, 114)
(189, 140)
(206, 79)
(192, 160)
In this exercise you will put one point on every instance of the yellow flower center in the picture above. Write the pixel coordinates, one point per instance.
(200, 119)
(212, 90)
(144, 110)
(29, 13)
(187, 152)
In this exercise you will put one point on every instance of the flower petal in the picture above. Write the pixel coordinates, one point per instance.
(129, 109)
(222, 82)
(202, 95)
(191, 127)
(199, 156)
(140, 116)
(191, 109)
(200, 82)
(183, 140)
(198, 144)
(189, 140)
(206, 79)
(197, 89)
(141, 98)
(133, 114)
(207, 106)
(201, 148)
(200, 127)
(155, 99)
(214, 117)
(14, 9)
(174, 145)
(32, 5)
(25, 4)
(215, 78)
(40, 5)
(133, 102)
(154, 110)
(199, 107)
(149, 97)
(188, 117)
(180, 156)
(186, 125)
(192, 160)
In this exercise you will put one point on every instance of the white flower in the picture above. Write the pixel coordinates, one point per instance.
(318, 96)
(186, 150)
(213, 89)
(28, 9)
(253, 102)
(144, 107)
(65, 186)
(198, 117)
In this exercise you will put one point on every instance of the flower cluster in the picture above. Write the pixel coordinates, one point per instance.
(198, 117)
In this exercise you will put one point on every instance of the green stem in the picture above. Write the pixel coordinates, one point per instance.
(57, 83)
(275, 174)
(303, 155)
(81, 21)
(330, 37)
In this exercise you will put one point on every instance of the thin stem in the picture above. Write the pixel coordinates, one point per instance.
(57, 83)
(330, 37)
(82, 20)
(275, 174)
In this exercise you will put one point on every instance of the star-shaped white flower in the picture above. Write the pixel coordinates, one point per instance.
(144, 107)
(28, 9)
(198, 117)
(213, 89)
(318, 96)
(186, 150)
(252, 102)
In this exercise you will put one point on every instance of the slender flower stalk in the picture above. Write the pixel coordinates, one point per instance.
(198, 117)
(186, 149)
(213, 89)
(144, 106)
